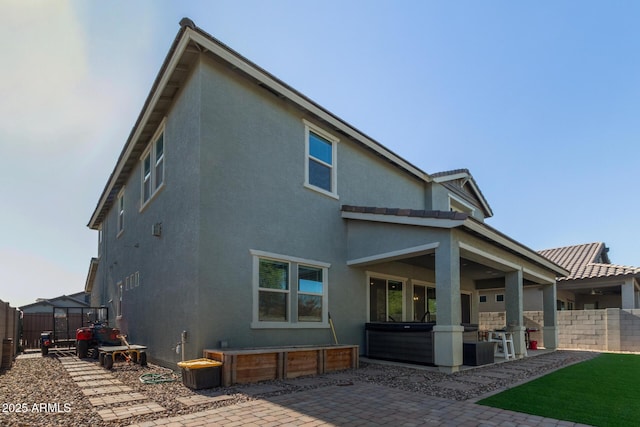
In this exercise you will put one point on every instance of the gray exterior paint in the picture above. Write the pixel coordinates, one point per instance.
(234, 183)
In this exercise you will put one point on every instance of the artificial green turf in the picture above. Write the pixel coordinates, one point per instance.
(604, 391)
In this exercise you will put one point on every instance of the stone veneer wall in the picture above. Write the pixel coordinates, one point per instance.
(610, 329)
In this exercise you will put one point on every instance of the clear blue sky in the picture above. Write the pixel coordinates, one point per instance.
(539, 100)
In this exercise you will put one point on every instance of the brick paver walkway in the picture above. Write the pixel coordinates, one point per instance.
(351, 402)
(361, 404)
(108, 393)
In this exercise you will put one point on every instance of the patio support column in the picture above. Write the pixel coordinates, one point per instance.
(447, 333)
(550, 330)
(514, 311)
(628, 295)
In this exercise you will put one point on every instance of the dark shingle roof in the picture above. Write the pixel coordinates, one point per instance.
(586, 262)
(451, 172)
(416, 213)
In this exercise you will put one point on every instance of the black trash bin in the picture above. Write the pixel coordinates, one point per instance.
(200, 373)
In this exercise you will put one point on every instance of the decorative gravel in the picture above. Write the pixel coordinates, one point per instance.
(38, 391)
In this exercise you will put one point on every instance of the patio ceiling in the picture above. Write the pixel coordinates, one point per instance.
(492, 276)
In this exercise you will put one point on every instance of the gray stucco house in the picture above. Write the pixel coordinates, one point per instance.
(244, 213)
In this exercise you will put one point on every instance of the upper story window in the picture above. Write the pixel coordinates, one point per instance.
(100, 237)
(289, 292)
(456, 204)
(120, 205)
(153, 167)
(119, 300)
(320, 162)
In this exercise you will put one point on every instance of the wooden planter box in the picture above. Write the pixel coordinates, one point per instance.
(251, 365)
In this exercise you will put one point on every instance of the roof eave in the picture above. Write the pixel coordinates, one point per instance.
(514, 246)
(190, 33)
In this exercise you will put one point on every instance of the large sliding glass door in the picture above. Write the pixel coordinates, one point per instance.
(424, 303)
(386, 300)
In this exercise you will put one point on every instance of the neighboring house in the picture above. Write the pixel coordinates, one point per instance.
(43, 305)
(593, 283)
(243, 213)
(63, 315)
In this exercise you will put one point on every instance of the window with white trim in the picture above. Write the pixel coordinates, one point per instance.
(153, 167)
(456, 204)
(310, 293)
(120, 207)
(320, 161)
(273, 298)
(499, 297)
(289, 291)
(119, 300)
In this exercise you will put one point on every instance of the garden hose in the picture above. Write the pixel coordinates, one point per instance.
(156, 378)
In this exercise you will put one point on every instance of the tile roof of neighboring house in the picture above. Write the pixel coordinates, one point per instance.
(587, 261)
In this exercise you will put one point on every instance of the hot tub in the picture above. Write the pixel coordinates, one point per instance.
(404, 342)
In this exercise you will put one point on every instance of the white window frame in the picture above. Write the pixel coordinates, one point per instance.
(119, 300)
(150, 151)
(499, 295)
(120, 212)
(466, 206)
(100, 237)
(292, 303)
(310, 127)
(387, 277)
(485, 299)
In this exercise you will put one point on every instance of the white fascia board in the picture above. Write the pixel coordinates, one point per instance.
(177, 54)
(514, 246)
(485, 205)
(249, 69)
(394, 255)
(404, 220)
(446, 178)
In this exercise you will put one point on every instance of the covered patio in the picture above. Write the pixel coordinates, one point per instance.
(421, 263)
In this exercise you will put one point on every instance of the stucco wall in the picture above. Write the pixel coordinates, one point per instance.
(156, 310)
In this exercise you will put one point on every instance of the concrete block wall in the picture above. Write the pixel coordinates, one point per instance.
(583, 330)
(629, 329)
(610, 329)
